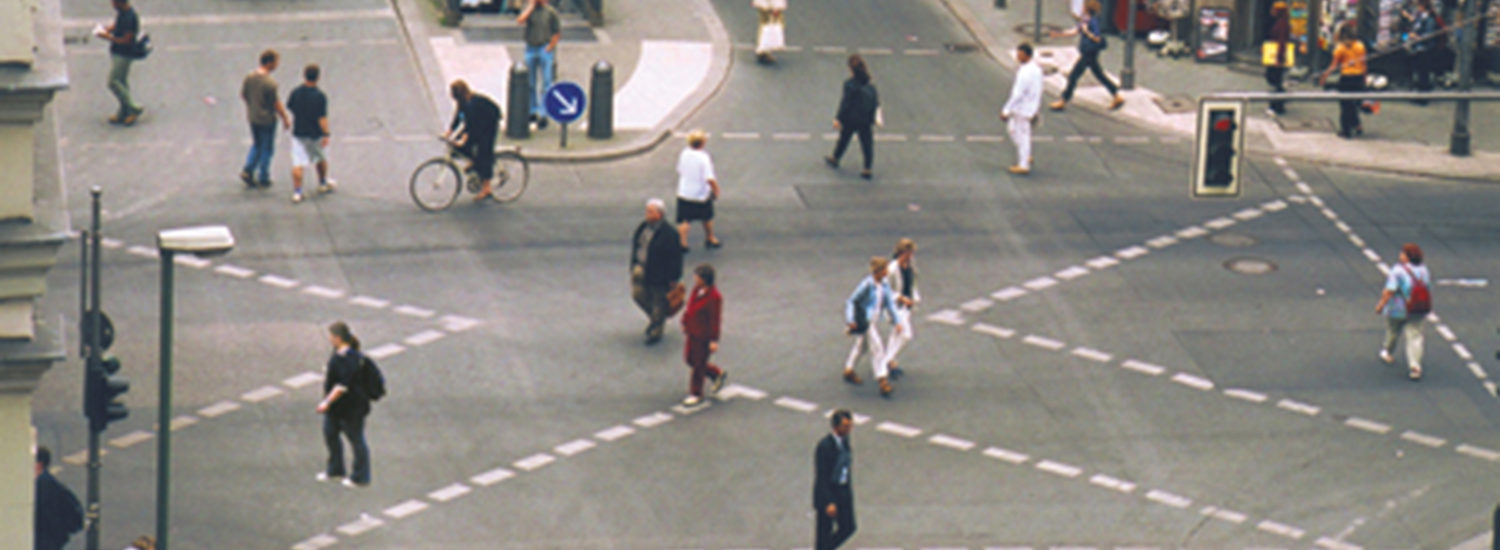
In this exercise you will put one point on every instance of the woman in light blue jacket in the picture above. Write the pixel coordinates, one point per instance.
(861, 311)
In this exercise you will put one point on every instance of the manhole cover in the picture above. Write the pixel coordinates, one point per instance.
(1233, 239)
(1047, 30)
(1176, 104)
(1250, 266)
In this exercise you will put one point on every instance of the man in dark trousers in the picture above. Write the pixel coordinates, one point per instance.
(833, 491)
(655, 266)
(57, 514)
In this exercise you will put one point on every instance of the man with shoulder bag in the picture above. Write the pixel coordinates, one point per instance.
(126, 44)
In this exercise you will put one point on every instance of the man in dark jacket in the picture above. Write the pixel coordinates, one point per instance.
(57, 514)
(655, 266)
(833, 491)
(480, 118)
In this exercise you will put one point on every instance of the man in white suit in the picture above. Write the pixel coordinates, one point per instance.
(1021, 112)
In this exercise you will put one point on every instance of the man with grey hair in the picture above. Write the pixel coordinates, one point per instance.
(655, 266)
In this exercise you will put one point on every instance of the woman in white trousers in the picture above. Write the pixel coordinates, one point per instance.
(770, 36)
(901, 276)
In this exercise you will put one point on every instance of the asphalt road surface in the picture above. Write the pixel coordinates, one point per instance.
(1087, 370)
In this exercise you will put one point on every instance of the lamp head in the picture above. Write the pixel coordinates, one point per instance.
(201, 241)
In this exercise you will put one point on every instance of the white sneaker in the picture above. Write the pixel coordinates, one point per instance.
(1386, 356)
(297, 197)
(323, 476)
(352, 485)
(328, 186)
(691, 401)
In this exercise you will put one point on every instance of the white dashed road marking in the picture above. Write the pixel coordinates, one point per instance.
(1043, 342)
(998, 332)
(449, 493)
(423, 338)
(951, 442)
(414, 311)
(534, 462)
(901, 430)
(574, 447)
(492, 477)
(369, 302)
(1006, 455)
(301, 380)
(131, 438)
(405, 509)
(385, 351)
(652, 420)
(796, 404)
(1168, 499)
(278, 281)
(261, 394)
(217, 409)
(361, 525)
(1059, 468)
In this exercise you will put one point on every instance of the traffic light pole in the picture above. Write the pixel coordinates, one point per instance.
(1458, 143)
(164, 410)
(93, 354)
(1127, 74)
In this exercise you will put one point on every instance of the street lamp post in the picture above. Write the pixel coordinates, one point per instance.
(1036, 32)
(1127, 75)
(212, 240)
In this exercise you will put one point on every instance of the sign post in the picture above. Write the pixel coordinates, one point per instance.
(564, 103)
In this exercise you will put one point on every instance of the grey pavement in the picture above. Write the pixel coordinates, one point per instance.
(1403, 138)
(1087, 373)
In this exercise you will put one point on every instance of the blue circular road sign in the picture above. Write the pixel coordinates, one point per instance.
(565, 102)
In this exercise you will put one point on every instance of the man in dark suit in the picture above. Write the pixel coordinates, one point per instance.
(655, 266)
(833, 492)
(57, 514)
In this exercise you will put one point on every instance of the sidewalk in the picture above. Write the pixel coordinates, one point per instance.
(669, 57)
(1403, 138)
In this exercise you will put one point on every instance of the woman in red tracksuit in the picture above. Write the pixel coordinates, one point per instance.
(701, 324)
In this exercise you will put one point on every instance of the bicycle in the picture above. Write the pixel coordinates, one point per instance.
(437, 182)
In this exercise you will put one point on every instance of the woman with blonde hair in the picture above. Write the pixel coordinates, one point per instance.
(901, 275)
(697, 188)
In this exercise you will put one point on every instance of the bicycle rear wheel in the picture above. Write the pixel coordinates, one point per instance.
(435, 184)
(511, 174)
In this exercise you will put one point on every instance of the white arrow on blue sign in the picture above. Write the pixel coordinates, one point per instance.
(565, 102)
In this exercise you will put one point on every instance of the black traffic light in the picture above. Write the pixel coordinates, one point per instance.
(1218, 164)
(101, 390)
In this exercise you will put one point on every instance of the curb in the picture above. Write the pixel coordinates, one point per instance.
(722, 61)
(1000, 53)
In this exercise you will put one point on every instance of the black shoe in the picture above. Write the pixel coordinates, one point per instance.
(713, 244)
(533, 118)
(897, 373)
(541, 124)
(686, 250)
(264, 184)
(652, 339)
(866, 174)
(245, 177)
(831, 162)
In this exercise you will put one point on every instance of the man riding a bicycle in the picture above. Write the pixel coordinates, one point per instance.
(480, 118)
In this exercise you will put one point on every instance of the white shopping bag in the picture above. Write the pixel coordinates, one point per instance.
(772, 38)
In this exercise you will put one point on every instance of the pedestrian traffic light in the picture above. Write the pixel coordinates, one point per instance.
(101, 388)
(1216, 170)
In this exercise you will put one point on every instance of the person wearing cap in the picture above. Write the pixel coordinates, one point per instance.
(655, 266)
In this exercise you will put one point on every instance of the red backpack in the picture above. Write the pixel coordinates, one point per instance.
(1420, 301)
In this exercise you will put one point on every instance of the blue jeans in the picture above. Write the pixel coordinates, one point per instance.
(353, 430)
(539, 61)
(263, 144)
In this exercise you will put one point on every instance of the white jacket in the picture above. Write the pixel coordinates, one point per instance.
(1026, 94)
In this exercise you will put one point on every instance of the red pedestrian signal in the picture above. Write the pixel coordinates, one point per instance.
(1220, 144)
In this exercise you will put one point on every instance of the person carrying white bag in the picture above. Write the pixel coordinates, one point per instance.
(771, 36)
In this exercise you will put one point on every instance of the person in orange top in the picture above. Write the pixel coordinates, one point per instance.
(700, 322)
(1349, 61)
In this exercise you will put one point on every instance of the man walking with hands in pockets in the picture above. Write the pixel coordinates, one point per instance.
(1023, 109)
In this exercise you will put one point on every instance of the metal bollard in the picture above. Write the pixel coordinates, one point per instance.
(999, 4)
(602, 101)
(518, 105)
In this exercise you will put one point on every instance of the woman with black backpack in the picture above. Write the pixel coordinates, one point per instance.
(857, 114)
(345, 405)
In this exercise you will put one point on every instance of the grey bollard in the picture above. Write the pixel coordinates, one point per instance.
(602, 101)
(454, 14)
(1000, 4)
(518, 105)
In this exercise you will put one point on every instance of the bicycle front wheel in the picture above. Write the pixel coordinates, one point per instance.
(435, 184)
(511, 174)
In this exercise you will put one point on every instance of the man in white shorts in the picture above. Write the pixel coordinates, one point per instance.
(309, 109)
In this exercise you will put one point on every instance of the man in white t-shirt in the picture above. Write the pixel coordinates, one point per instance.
(697, 187)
